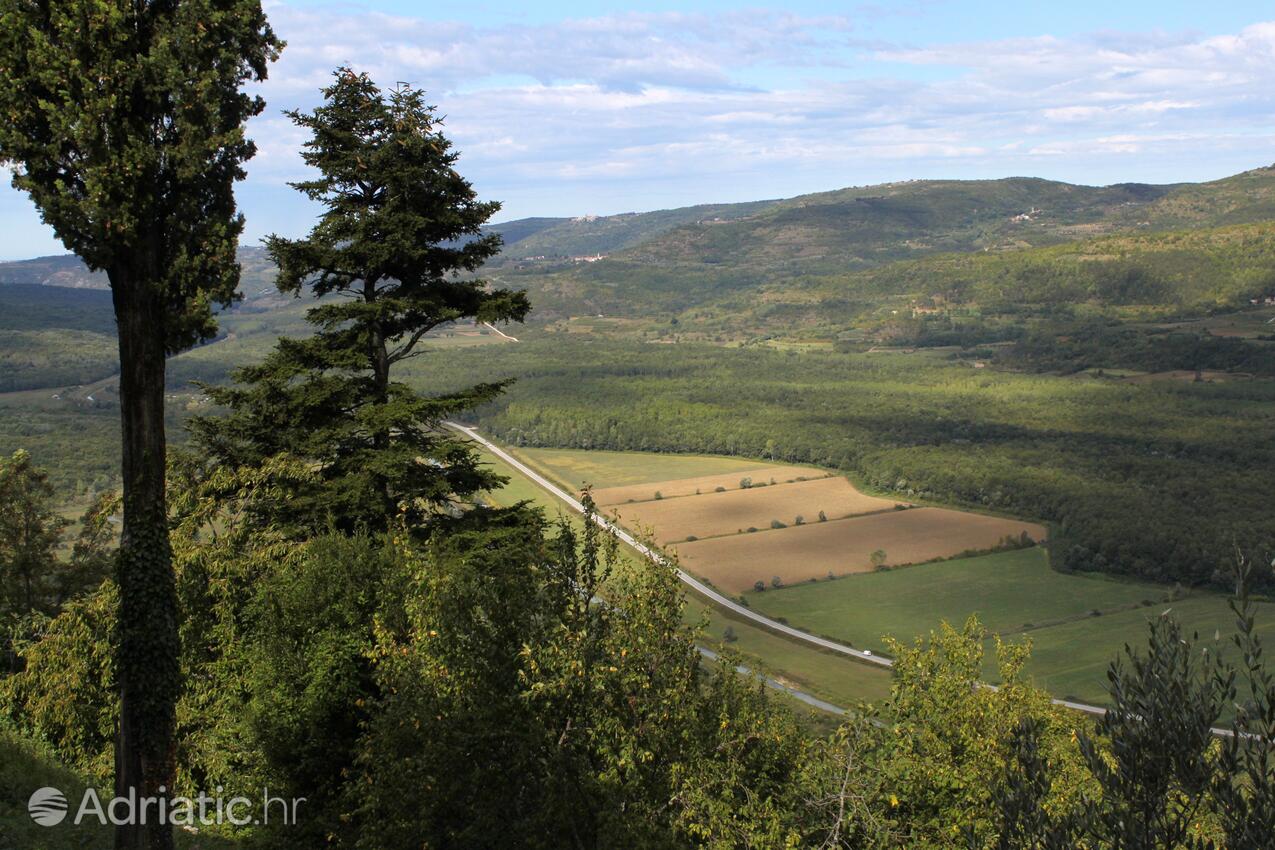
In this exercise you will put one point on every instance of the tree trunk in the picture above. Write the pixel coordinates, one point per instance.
(379, 360)
(147, 663)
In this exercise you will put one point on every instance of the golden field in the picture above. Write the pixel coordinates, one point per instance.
(713, 514)
(705, 484)
(812, 551)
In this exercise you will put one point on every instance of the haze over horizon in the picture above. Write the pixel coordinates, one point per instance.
(641, 106)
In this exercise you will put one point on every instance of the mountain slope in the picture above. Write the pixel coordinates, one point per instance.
(590, 235)
(832, 234)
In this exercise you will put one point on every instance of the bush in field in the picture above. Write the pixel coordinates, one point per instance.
(759, 585)
(774, 523)
(823, 517)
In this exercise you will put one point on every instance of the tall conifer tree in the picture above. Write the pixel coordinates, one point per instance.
(124, 121)
(398, 241)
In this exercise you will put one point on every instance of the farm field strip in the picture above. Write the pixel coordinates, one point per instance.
(716, 514)
(1072, 658)
(1012, 593)
(706, 484)
(814, 551)
(602, 470)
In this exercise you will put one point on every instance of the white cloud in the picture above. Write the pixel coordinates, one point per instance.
(633, 111)
(673, 96)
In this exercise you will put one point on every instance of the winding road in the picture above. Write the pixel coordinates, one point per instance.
(711, 593)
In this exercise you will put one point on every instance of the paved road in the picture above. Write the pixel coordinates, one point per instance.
(710, 593)
(779, 686)
(499, 331)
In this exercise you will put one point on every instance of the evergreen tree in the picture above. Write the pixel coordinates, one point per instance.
(399, 237)
(125, 124)
(30, 531)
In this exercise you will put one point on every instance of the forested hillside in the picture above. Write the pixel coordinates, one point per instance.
(1134, 276)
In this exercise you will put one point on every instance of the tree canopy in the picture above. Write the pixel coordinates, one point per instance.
(392, 258)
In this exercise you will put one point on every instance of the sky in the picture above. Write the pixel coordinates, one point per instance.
(565, 109)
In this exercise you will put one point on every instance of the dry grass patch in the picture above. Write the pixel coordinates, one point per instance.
(812, 551)
(713, 514)
(703, 484)
(1188, 375)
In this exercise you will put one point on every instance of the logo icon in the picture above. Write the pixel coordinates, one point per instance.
(47, 807)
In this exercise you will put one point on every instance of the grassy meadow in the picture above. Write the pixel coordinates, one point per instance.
(1077, 623)
(573, 468)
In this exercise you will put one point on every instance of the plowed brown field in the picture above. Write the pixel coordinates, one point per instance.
(799, 553)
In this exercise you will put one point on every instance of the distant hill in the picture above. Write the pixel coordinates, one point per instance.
(517, 230)
(590, 235)
(846, 250)
(55, 336)
(68, 271)
(790, 245)
(29, 306)
(1131, 276)
(65, 270)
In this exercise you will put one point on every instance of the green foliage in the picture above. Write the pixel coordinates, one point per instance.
(65, 696)
(1244, 788)
(154, 208)
(399, 225)
(30, 531)
(1156, 760)
(33, 307)
(953, 737)
(1075, 346)
(1161, 775)
(39, 359)
(54, 337)
(125, 125)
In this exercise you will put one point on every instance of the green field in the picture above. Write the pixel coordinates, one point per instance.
(1015, 594)
(575, 468)
(827, 676)
(1071, 659)
(1009, 591)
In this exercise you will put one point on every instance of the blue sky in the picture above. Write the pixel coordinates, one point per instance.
(570, 108)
